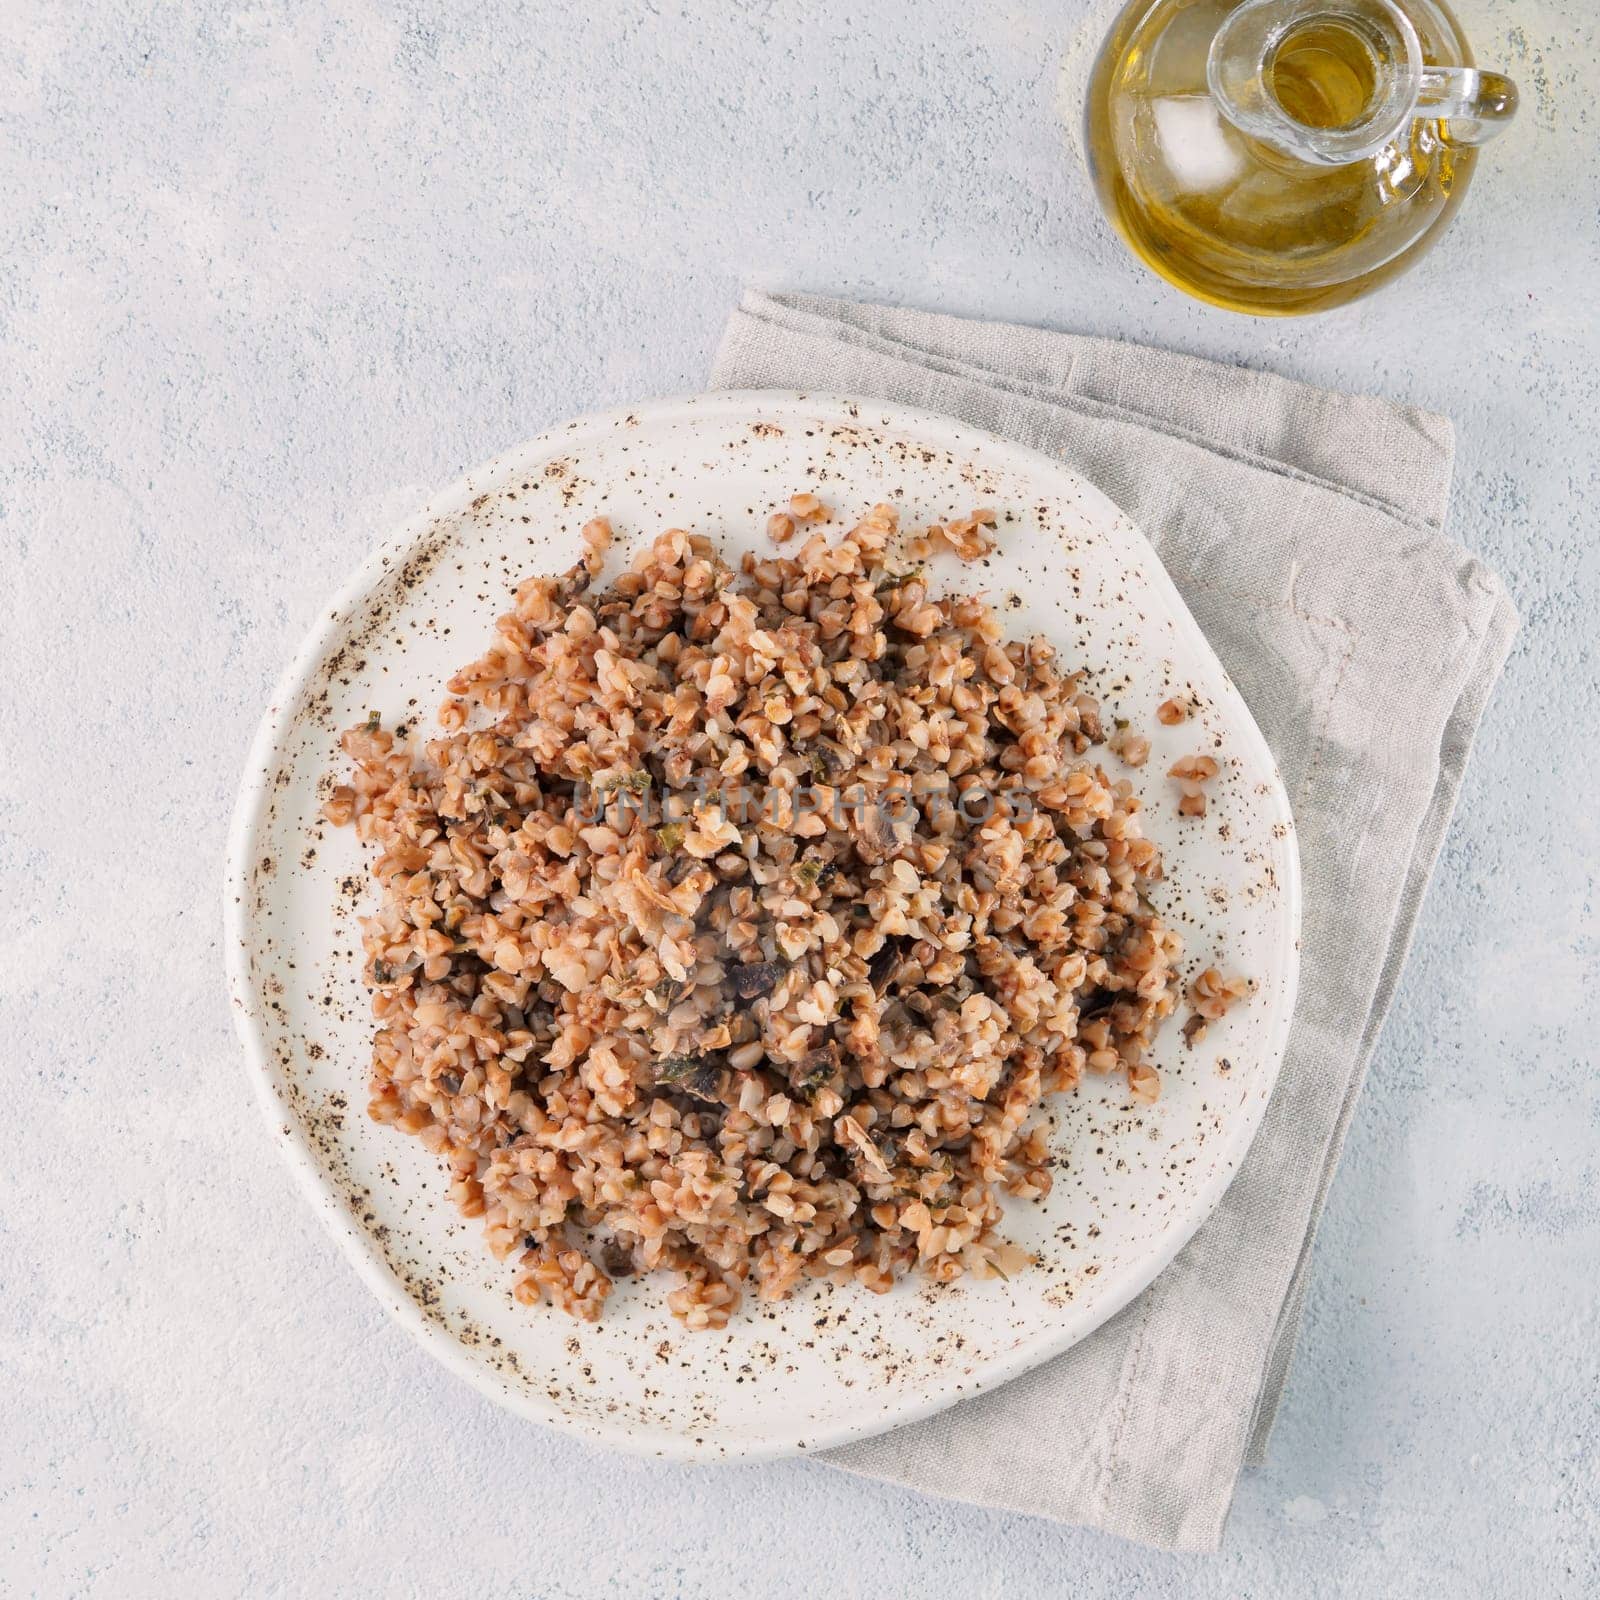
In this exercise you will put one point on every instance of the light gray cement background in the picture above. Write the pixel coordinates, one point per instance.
(270, 271)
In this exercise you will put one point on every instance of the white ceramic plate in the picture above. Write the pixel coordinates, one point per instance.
(1133, 1182)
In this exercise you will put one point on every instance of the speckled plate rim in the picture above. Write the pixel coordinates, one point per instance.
(250, 819)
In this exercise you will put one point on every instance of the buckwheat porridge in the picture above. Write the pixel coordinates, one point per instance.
(738, 921)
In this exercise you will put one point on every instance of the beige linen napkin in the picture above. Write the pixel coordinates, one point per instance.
(1305, 531)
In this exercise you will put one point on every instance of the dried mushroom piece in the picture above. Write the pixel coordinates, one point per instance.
(754, 979)
(875, 835)
(884, 966)
(698, 1076)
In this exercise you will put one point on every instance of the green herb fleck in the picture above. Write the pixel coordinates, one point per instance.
(675, 1069)
(892, 580)
(814, 870)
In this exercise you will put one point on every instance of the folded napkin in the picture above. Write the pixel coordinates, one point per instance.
(1304, 529)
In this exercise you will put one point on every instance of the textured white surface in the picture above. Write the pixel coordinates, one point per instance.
(269, 272)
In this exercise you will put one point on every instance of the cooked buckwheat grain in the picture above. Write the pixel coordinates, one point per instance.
(798, 1036)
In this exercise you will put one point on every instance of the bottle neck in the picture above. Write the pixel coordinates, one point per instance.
(1327, 81)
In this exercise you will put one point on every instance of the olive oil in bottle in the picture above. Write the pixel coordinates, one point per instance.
(1280, 156)
(1323, 75)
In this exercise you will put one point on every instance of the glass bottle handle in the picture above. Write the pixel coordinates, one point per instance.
(1472, 105)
